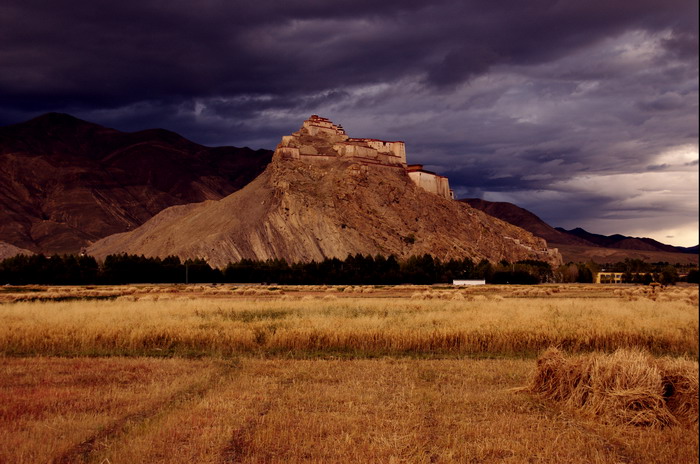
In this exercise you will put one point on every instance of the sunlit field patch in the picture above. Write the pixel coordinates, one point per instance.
(160, 321)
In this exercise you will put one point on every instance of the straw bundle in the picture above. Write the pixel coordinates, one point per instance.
(626, 387)
(680, 378)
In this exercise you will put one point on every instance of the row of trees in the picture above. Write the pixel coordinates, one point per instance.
(355, 269)
(116, 269)
(359, 269)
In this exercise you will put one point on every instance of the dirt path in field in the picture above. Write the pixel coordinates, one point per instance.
(240, 442)
(429, 423)
(86, 450)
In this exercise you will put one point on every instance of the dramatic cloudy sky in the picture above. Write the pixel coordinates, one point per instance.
(582, 111)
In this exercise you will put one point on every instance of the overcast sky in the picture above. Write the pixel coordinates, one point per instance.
(582, 111)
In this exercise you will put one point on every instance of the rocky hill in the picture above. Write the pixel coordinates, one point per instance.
(327, 195)
(65, 183)
(578, 245)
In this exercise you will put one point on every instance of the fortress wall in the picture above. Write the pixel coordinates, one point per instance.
(381, 159)
(397, 149)
(445, 187)
(350, 151)
(317, 157)
(288, 152)
(432, 183)
(392, 152)
(390, 158)
(366, 151)
(385, 147)
(307, 150)
(319, 123)
(424, 181)
(314, 129)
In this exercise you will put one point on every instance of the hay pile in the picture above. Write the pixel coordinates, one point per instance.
(626, 387)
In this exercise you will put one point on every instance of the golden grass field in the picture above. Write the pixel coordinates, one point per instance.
(337, 374)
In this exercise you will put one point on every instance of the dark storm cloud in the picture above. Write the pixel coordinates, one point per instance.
(97, 52)
(505, 97)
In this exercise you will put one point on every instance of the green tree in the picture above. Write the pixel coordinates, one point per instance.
(668, 276)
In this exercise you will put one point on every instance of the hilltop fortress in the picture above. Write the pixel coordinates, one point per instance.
(321, 140)
(326, 195)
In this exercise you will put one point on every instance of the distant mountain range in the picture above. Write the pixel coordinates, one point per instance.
(579, 245)
(523, 218)
(625, 242)
(65, 183)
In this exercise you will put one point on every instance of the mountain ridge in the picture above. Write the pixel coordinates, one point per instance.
(626, 242)
(521, 217)
(65, 182)
(579, 245)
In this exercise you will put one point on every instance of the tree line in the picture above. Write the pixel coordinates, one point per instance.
(355, 269)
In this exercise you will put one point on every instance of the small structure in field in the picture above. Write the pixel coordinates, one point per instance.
(605, 277)
(609, 277)
(468, 282)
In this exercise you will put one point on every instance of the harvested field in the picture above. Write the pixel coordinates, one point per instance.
(339, 374)
(384, 410)
(62, 410)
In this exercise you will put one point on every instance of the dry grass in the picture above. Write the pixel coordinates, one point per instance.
(626, 387)
(247, 401)
(324, 321)
(227, 291)
(57, 410)
(121, 410)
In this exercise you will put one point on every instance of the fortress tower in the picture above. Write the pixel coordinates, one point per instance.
(319, 139)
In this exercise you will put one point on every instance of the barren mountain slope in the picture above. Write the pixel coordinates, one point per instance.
(525, 219)
(65, 183)
(303, 211)
(578, 245)
(8, 251)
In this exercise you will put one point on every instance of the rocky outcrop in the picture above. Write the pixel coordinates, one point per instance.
(65, 183)
(332, 206)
